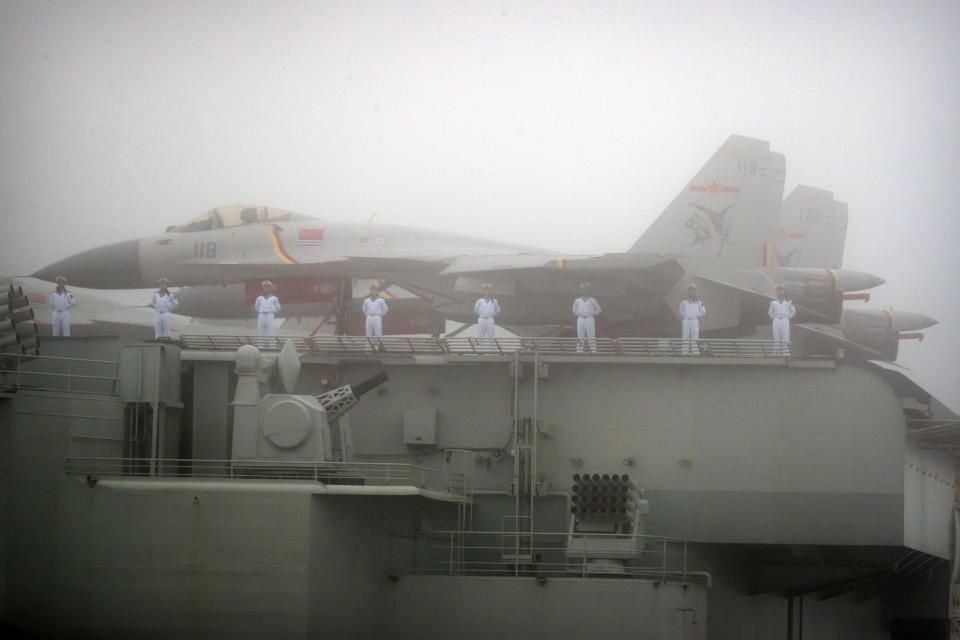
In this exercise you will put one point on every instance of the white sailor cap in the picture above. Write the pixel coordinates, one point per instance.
(780, 285)
(584, 285)
(374, 285)
(267, 284)
(691, 286)
(162, 280)
(486, 285)
(61, 279)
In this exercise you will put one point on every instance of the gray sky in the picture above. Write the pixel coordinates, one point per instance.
(562, 125)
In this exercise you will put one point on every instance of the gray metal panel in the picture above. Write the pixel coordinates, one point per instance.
(474, 402)
(420, 426)
(928, 497)
(346, 567)
(211, 397)
(149, 373)
(755, 517)
(480, 608)
(136, 564)
(733, 435)
(38, 446)
(6, 418)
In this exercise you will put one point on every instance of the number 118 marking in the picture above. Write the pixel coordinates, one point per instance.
(204, 249)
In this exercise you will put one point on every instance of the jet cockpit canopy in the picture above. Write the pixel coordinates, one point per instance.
(234, 216)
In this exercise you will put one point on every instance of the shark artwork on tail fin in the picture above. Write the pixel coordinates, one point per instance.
(727, 211)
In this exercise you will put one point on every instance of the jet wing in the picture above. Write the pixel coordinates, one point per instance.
(756, 287)
(349, 266)
(525, 262)
(554, 273)
(750, 282)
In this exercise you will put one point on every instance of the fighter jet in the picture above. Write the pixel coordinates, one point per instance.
(712, 234)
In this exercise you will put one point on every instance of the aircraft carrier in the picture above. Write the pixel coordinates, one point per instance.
(412, 487)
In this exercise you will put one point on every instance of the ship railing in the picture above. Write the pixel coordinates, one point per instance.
(55, 373)
(463, 346)
(340, 473)
(232, 343)
(546, 554)
(713, 347)
(388, 344)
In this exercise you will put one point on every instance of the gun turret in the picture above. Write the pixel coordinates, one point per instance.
(284, 427)
(340, 400)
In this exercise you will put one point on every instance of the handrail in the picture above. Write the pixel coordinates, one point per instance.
(461, 346)
(13, 375)
(545, 554)
(357, 473)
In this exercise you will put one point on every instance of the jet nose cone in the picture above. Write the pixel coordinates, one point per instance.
(910, 321)
(113, 266)
(857, 280)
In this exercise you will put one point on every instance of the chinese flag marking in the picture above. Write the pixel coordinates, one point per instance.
(311, 235)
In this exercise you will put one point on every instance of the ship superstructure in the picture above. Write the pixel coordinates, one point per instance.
(421, 488)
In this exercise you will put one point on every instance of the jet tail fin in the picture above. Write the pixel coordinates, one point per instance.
(813, 229)
(727, 212)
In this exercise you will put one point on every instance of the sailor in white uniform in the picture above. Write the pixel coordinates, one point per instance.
(374, 308)
(487, 308)
(586, 308)
(163, 303)
(61, 301)
(267, 306)
(780, 312)
(690, 311)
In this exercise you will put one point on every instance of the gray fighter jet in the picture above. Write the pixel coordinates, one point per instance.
(712, 234)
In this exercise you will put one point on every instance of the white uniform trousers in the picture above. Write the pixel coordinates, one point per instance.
(691, 333)
(266, 324)
(374, 326)
(61, 323)
(485, 327)
(781, 331)
(161, 325)
(586, 328)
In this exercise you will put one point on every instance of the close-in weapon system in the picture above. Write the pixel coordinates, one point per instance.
(287, 427)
